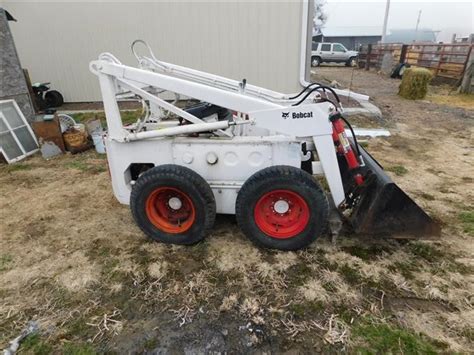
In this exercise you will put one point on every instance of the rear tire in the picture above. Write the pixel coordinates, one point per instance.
(282, 207)
(53, 98)
(315, 61)
(173, 204)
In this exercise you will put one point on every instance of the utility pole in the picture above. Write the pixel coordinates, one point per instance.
(417, 24)
(385, 20)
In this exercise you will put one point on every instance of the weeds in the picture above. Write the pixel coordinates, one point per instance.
(86, 167)
(384, 338)
(151, 343)
(454, 100)
(427, 252)
(398, 170)
(10, 168)
(33, 344)
(5, 262)
(78, 349)
(369, 252)
(467, 221)
(350, 275)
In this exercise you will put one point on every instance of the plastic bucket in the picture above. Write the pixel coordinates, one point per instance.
(98, 143)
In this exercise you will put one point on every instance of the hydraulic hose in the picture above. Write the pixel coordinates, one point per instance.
(324, 87)
(304, 89)
(353, 135)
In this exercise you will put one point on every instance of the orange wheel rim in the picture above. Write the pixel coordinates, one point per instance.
(170, 210)
(281, 214)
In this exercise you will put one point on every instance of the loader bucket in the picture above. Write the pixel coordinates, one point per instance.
(382, 208)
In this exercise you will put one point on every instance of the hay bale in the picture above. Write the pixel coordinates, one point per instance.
(414, 84)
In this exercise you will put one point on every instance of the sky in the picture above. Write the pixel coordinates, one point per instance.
(448, 17)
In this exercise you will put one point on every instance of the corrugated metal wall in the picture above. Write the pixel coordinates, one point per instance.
(258, 40)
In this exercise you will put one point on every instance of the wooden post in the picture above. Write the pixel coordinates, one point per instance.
(438, 67)
(367, 59)
(466, 83)
(403, 53)
(30, 90)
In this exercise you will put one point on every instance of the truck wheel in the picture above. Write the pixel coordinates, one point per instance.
(173, 204)
(352, 62)
(315, 61)
(53, 98)
(282, 207)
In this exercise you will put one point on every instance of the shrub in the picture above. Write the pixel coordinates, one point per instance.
(415, 83)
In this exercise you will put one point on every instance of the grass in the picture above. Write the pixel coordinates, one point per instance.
(388, 339)
(78, 349)
(299, 274)
(33, 344)
(369, 252)
(5, 261)
(398, 170)
(312, 308)
(453, 99)
(151, 343)
(427, 252)
(10, 168)
(350, 274)
(85, 167)
(467, 221)
(405, 268)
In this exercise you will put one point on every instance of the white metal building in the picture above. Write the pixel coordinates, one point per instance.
(264, 42)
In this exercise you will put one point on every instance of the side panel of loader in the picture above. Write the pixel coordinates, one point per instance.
(224, 163)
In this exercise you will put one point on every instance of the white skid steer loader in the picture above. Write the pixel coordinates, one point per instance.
(242, 150)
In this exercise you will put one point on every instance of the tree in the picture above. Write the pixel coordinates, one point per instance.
(320, 17)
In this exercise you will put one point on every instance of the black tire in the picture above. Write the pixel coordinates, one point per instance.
(397, 72)
(352, 62)
(53, 98)
(315, 61)
(193, 190)
(274, 181)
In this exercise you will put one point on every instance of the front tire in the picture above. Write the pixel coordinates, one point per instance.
(315, 61)
(173, 204)
(352, 62)
(282, 207)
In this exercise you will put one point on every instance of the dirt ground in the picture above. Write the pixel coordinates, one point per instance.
(72, 259)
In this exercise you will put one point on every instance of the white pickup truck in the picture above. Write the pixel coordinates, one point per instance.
(332, 52)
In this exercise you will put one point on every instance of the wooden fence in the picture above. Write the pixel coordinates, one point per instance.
(444, 60)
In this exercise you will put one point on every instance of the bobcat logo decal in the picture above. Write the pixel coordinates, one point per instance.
(285, 115)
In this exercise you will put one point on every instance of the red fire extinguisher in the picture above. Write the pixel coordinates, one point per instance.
(344, 146)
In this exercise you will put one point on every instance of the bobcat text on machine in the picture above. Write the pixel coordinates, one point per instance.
(242, 150)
